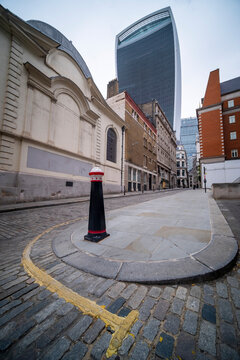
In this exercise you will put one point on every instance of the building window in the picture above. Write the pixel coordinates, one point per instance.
(178, 172)
(139, 180)
(231, 119)
(233, 135)
(139, 175)
(134, 174)
(135, 115)
(145, 142)
(129, 173)
(129, 178)
(178, 163)
(230, 103)
(111, 145)
(145, 178)
(183, 163)
(134, 180)
(183, 172)
(234, 153)
(182, 156)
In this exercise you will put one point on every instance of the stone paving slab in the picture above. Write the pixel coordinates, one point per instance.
(146, 244)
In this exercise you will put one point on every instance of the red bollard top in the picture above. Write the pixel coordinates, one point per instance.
(96, 174)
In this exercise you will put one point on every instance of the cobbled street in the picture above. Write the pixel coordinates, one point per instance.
(188, 321)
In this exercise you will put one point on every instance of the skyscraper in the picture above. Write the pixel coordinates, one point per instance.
(148, 63)
(188, 135)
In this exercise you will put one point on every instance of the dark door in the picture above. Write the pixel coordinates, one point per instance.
(150, 181)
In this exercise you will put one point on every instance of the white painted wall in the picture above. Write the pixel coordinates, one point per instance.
(117, 103)
(221, 172)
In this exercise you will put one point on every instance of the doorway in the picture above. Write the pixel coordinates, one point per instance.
(150, 181)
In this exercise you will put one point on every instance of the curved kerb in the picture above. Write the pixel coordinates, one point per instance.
(119, 325)
(208, 263)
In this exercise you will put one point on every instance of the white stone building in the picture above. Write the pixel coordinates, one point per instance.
(54, 123)
(182, 172)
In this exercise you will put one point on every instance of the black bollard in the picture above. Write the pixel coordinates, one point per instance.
(96, 220)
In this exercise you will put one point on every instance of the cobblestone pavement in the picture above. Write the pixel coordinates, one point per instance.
(193, 321)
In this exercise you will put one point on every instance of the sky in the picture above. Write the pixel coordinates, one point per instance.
(208, 32)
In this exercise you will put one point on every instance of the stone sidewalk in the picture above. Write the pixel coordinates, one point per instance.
(187, 321)
(183, 239)
(58, 202)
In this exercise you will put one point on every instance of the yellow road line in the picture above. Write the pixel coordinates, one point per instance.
(120, 325)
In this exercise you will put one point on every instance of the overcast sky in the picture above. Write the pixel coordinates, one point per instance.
(208, 32)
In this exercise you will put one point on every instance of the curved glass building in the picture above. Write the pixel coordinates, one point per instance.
(148, 63)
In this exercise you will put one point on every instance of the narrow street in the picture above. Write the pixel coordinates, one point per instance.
(188, 321)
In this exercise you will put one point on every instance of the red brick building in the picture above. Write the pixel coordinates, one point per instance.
(219, 130)
(140, 145)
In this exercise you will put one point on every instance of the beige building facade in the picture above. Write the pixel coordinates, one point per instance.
(54, 123)
(140, 150)
(166, 145)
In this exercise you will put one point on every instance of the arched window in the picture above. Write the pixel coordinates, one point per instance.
(111, 145)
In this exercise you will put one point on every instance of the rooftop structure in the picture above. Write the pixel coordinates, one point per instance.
(230, 86)
(65, 44)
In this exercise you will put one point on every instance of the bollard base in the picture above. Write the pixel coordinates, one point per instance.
(96, 237)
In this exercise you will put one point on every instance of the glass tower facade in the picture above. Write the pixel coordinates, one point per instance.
(148, 63)
(188, 134)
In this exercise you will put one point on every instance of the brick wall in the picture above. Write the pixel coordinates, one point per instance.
(112, 88)
(210, 133)
(228, 128)
(136, 148)
(213, 118)
(236, 102)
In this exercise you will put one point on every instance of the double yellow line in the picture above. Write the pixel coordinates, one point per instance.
(120, 325)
